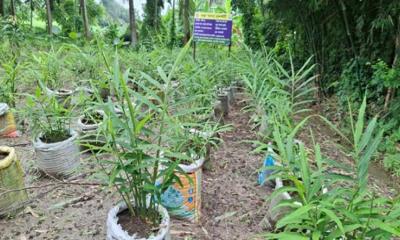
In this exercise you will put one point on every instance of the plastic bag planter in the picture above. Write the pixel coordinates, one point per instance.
(11, 177)
(184, 202)
(276, 214)
(89, 132)
(115, 231)
(63, 96)
(223, 97)
(8, 128)
(231, 95)
(60, 158)
(103, 92)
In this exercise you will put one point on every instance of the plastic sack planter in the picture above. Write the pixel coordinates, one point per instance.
(115, 231)
(63, 96)
(8, 128)
(276, 214)
(11, 177)
(223, 98)
(88, 132)
(184, 202)
(103, 92)
(59, 158)
(231, 95)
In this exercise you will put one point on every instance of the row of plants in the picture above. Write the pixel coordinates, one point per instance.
(150, 132)
(311, 199)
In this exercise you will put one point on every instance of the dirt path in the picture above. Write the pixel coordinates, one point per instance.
(233, 205)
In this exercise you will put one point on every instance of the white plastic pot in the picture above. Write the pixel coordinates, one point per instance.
(276, 214)
(62, 93)
(231, 95)
(115, 231)
(3, 108)
(63, 96)
(89, 132)
(195, 166)
(59, 158)
(224, 100)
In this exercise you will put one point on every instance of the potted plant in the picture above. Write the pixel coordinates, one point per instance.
(11, 178)
(8, 95)
(183, 199)
(88, 125)
(8, 126)
(135, 166)
(54, 139)
(223, 98)
(63, 96)
(348, 210)
(193, 142)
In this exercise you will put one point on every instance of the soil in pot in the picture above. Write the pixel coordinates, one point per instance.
(63, 91)
(3, 155)
(55, 137)
(136, 225)
(94, 118)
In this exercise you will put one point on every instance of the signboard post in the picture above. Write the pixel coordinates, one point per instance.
(212, 27)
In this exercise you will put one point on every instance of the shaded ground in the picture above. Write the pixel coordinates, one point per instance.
(233, 205)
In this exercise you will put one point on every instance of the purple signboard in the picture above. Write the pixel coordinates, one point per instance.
(212, 27)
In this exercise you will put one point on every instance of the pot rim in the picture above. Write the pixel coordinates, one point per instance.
(112, 220)
(82, 126)
(38, 143)
(4, 108)
(6, 162)
(60, 92)
(193, 167)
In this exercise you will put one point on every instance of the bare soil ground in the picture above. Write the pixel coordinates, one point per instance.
(233, 206)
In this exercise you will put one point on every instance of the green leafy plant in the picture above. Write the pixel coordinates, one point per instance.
(141, 159)
(11, 71)
(49, 119)
(346, 209)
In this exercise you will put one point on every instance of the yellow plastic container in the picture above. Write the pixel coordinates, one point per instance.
(7, 124)
(12, 193)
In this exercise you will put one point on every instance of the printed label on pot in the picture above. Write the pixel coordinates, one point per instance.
(184, 201)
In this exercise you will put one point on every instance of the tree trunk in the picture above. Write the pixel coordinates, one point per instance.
(12, 10)
(2, 12)
(347, 27)
(172, 30)
(390, 91)
(32, 8)
(132, 23)
(186, 23)
(156, 14)
(49, 18)
(85, 19)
